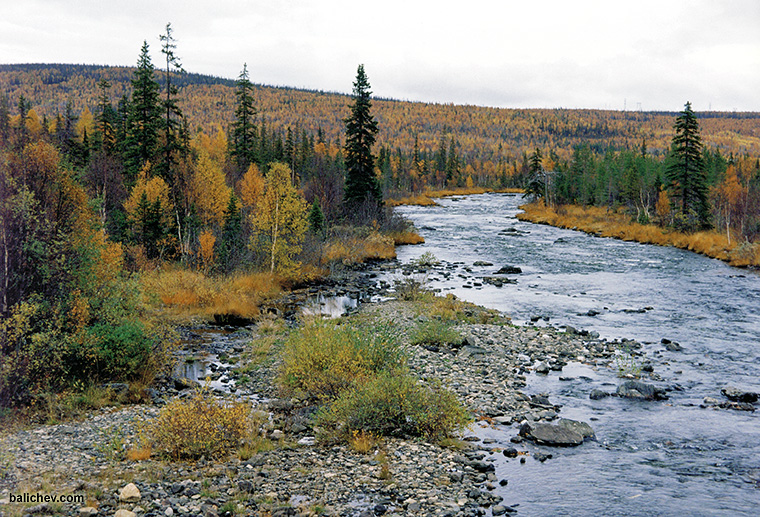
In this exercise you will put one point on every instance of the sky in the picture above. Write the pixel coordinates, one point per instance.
(607, 54)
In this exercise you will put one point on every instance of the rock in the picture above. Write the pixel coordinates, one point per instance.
(738, 395)
(499, 510)
(597, 394)
(542, 368)
(482, 466)
(509, 270)
(40, 508)
(581, 428)
(482, 263)
(129, 494)
(592, 313)
(124, 513)
(184, 383)
(510, 452)
(283, 511)
(87, 511)
(672, 346)
(640, 390)
(551, 435)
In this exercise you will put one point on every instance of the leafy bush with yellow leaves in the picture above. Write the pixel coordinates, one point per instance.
(198, 426)
(322, 359)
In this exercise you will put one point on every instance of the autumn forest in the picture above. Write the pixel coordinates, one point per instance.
(134, 190)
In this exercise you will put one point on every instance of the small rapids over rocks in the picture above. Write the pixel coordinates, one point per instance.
(682, 440)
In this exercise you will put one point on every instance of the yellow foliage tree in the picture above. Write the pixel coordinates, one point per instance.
(206, 241)
(86, 123)
(251, 187)
(729, 195)
(215, 144)
(280, 218)
(209, 190)
(663, 206)
(154, 189)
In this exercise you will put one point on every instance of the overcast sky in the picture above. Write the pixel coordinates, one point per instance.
(652, 55)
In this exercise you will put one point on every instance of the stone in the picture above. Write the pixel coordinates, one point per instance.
(499, 510)
(86, 511)
(738, 395)
(597, 394)
(542, 368)
(581, 428)
(129, 494)
(641, 391)
(551, 435)
(124, 513)
(509, 270)
(510, 452)
(184, 383)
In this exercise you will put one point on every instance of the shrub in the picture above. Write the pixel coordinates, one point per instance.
(395, 405)
(412, 289)
(322, 359)
(436, 332)
(198, 426)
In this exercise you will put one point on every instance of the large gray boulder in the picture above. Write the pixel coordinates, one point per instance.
(569, 434)
(641, 391)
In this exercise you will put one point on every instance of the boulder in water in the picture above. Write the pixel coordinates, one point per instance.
(640, 390)
(737, 395)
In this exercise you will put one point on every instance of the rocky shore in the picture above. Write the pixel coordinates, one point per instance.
(487, 369)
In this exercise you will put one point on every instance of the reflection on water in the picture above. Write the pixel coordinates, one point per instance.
(330, 306)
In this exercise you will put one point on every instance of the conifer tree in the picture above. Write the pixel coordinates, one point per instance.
(686, 173)
(361, 129)
(172, 127)
(143, 118)
(243, 148)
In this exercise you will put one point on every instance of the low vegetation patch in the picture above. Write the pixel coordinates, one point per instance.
(323, 359)
(395, 405)
(435, 332)
(180, 294)
(198, 426)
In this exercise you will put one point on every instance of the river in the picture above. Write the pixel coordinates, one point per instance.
(650, 458)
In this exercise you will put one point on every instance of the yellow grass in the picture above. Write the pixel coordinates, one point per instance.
(426, 198)
(358, 249)
(180, 293)
(606, 223)
(406, 237)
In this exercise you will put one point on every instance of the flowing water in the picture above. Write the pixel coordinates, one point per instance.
(651, 458)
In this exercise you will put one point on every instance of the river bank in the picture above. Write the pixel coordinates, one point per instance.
(486, 369)
(601, 222)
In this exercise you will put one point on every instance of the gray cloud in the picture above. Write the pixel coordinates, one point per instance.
(546, 53)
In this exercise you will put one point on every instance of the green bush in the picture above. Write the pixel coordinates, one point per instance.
(395, 405)
(323, 359)
(436, 332)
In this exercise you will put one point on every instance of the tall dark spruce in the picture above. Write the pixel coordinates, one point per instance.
(362, 184)
(243, 145)
(686, 173)
(143, 118)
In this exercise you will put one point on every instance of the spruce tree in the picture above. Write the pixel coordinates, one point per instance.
(173, 117)
(143, 118)
(243, 145)
(361, 130)
(686, 173)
